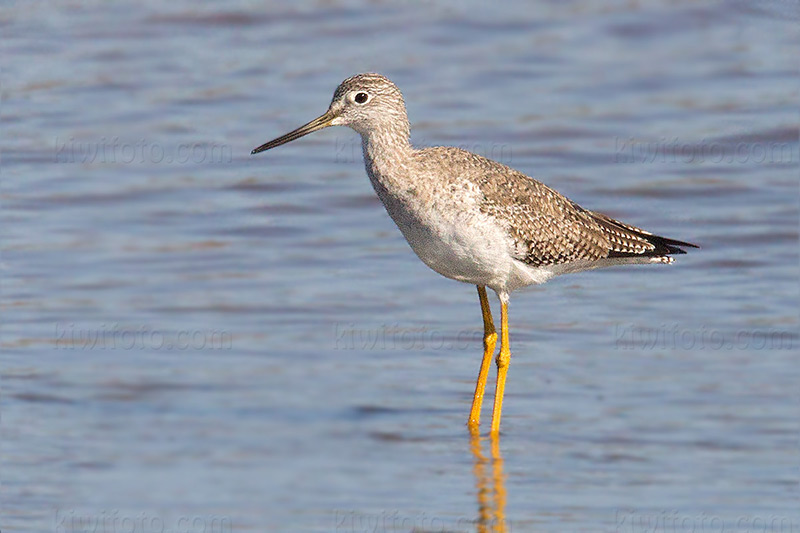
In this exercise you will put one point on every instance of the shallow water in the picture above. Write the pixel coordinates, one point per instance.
(195, 339)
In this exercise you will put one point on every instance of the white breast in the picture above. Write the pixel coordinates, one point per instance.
(457, 241)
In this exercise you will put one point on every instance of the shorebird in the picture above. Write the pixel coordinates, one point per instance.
(475, 220)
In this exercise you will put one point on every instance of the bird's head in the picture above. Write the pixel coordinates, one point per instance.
(365, 102)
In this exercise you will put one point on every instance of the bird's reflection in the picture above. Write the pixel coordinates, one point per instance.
(490, 482)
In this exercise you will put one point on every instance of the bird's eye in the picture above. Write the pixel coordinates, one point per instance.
(361, 98)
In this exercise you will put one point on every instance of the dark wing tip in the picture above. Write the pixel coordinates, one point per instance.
(665, 246)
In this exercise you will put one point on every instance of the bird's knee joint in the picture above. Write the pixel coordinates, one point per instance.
(490, 339)
(503, 359)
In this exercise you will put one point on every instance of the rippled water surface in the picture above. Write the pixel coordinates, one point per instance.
(196, 339)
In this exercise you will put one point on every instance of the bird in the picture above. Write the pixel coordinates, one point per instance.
(475, 220)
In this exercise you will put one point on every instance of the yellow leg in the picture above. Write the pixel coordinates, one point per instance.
(503, 359)
(489, 341)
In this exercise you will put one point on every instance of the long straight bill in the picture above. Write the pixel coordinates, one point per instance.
(317, 124)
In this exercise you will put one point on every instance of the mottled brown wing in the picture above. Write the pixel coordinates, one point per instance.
(549, 229)
(546, 227)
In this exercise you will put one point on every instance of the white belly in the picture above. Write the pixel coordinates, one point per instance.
(458, 245)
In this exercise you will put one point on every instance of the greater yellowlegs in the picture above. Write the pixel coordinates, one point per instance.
(475, 220)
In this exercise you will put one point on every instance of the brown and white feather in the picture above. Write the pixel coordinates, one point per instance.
(546, 227)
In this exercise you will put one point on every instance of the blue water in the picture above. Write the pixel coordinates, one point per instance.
(196, 339)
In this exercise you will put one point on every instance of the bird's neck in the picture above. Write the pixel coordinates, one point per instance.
(387, 156)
